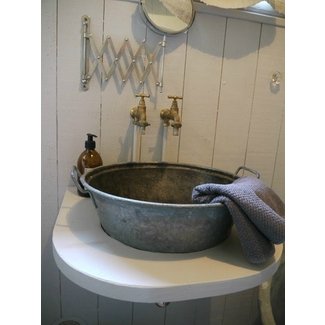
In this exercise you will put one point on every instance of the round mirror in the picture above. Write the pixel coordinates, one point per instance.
(167, 16)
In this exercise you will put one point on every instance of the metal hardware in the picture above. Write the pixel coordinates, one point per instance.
(85, 44)
(276, 78)
(139, 113)
(257, 174)
(172, 114)
(141, 63)
(162, 304)
(75, 175)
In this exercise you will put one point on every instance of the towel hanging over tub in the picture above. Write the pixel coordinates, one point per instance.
(257, 212)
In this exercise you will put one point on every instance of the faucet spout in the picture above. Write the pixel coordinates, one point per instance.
(139, 113)
(172, 114)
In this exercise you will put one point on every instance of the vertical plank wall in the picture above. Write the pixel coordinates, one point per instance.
(50, 283)
(231, 116)
(78, 113)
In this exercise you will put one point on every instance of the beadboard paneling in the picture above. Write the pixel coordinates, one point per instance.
(50, 284)
(78, 303)
(268, 104)
(278, 182)
(120, 21)
(78, 111)
(217, 307)
(222, 67)
(148, 314)
(181, 313)
(237, 308)
(173, 80)
(114, 312)
(236, 93)
(201, 90)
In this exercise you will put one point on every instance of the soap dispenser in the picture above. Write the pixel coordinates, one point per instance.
(89, 158)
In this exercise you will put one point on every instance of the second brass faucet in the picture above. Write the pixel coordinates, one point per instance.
(139, 113)
(172, 114)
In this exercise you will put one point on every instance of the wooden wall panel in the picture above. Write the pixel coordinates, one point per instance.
(268, 104)
(114, 312)
(148, 314)
(78, 303)
(202, 311)
(173, 81)
(238, 307)
(78, 110)
(255, 314)
(201, 90)
(78, 113)
(50, 284)
(236, 93)
(217, 307)
(278, 182)
(120, 21)
(181, 313)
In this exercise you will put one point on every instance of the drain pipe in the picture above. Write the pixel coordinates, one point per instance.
(264, 297)
(164, 143)
(136, 144)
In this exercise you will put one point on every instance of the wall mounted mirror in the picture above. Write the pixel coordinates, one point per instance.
(167, 16)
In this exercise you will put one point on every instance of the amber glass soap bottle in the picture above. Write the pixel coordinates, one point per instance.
(89, 158)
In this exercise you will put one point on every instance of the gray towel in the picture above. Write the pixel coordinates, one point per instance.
(257, 212)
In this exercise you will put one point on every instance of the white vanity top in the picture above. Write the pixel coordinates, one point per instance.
(93, 260)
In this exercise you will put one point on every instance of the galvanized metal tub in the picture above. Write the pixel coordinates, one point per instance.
(148, 206)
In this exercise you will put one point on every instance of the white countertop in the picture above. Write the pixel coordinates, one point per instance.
(93, 260)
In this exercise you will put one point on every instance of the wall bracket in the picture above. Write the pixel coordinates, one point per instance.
(139, 64)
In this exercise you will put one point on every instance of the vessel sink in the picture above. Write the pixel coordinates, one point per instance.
(148, 206)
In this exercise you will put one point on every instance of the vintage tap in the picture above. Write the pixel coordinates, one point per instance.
(172, 114)
(139, 114)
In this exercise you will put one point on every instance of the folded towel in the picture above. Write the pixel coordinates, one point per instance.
(257, 212)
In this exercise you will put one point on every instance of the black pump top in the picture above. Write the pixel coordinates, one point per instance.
(90, 143)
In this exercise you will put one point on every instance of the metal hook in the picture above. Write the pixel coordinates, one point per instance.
(276, 78)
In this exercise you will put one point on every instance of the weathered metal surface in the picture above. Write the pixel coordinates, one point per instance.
(148, 206)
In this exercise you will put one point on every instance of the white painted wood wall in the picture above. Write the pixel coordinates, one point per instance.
(231, 116)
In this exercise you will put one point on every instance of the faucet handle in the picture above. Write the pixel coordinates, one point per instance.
(142, 95)
(175, 97)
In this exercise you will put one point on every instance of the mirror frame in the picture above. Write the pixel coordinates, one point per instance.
(155, 28)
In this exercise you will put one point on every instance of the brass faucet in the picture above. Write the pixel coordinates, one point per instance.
(172, 114)
(139, 114)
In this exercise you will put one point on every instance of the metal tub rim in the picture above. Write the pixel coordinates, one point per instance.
(96, 171)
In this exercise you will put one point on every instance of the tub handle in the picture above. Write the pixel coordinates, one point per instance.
(256, 173)
(75, 175)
